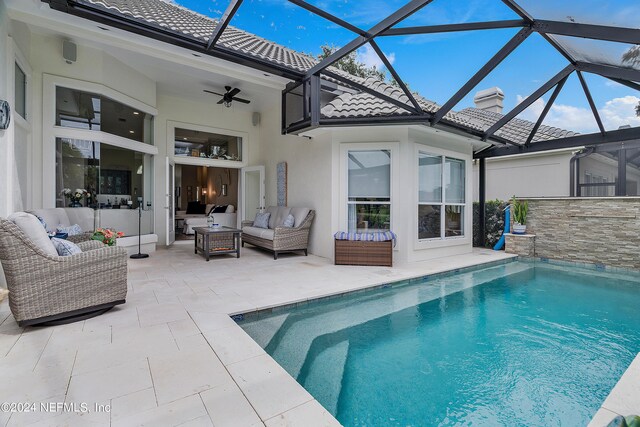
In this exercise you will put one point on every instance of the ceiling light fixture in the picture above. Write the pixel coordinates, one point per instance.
(227, 104)
(130, 131)
(135, 113)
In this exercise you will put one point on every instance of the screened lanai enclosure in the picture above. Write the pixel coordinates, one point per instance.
(577, 49)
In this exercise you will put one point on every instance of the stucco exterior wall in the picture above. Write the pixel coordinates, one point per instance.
(595, 230)
(539, 175)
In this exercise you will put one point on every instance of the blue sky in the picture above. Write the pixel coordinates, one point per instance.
(438, 65)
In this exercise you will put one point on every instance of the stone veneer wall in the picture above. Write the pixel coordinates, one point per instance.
(595, 230)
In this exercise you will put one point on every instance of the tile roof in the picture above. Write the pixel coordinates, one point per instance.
(517, 130)
(191, 24)
(188, 23)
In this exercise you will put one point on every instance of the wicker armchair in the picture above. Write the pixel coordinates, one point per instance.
(46, 289)
(285, 239)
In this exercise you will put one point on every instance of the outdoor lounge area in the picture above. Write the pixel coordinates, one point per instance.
(315, 213)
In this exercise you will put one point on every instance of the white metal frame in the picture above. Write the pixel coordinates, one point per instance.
(199, 161)
(51, 131)
(394, 181)
(443, 241)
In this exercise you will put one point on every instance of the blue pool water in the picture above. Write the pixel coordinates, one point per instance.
(523, 343)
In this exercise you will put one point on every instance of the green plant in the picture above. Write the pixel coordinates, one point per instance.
(519, 210)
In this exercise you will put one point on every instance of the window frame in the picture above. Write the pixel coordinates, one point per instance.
(51, 131)
(429, 151)
(343, 194)
(371, 203)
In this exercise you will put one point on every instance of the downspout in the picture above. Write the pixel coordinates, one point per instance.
(572, 167)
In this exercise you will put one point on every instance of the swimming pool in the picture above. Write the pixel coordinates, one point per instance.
(521, 343)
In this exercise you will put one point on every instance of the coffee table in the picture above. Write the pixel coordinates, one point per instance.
(217, 241)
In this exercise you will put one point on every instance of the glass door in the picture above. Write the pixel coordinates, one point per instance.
(170, 202)
(253, 192)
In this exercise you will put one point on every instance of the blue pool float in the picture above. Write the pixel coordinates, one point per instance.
(507, 228)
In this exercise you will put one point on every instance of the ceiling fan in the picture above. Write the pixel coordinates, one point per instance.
(229, 96)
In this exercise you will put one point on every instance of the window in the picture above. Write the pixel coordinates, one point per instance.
(20, 106)
(369, 190)
(192, 143)
(441, 196)
(113, 178)
(90, 111)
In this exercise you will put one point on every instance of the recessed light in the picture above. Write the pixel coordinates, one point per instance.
(196, 55)
(103, 28)
(266, 75)
(131, 131)
(184, 139)
(135, 113)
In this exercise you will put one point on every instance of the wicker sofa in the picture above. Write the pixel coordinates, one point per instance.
(277, 238)
(50, 289)
(65, 217)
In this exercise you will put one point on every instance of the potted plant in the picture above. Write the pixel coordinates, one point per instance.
(75, 196)
(519, 211)
(107, 236)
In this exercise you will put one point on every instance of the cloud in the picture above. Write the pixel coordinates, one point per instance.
(614, 113)
(370, 58)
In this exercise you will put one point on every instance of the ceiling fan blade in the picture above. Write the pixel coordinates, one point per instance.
(215, 93)
(244, 101)
(221, 101)
(233, 92)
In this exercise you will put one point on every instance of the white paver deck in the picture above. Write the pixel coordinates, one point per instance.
(172, 355)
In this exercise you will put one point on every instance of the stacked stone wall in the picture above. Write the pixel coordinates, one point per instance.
(595, 230)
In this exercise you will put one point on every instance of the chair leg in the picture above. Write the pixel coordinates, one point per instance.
(242, 244)
(305, 253)
(275, 255)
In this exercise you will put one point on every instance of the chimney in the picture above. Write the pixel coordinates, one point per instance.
(490, 100)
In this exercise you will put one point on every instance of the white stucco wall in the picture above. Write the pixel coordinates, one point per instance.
(309, 174)
(4, 94)
(536, 175)
(317, 178)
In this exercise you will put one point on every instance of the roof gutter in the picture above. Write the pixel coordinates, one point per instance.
(137, 26)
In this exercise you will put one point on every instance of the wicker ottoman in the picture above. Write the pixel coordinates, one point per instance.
(364, 249)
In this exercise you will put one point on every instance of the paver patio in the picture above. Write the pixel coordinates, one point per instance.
(172, 355)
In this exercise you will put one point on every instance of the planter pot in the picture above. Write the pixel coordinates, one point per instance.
(75, 204)
(519, 228)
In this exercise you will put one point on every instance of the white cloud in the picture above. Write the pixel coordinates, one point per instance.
(370, 58)
(615, 113)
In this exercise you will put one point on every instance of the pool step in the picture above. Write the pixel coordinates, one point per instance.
(323, 379)
(292, 338)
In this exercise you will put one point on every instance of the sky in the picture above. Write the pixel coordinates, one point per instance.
(437, 65)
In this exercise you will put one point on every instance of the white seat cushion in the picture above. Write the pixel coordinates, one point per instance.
(33, 229)
(299, 214)
(263, 233)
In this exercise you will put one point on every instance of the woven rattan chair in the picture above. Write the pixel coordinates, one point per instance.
(46, 289)
(285, 239)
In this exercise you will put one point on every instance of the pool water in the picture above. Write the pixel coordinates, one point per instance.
(522, 343)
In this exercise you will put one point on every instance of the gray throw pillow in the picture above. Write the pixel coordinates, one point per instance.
(289, 222)
(262, 220)
(65, 247)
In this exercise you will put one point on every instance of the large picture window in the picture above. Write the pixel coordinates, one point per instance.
(369, 190)
(441, 196)
(83, 110)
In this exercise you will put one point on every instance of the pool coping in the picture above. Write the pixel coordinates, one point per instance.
(371, 287)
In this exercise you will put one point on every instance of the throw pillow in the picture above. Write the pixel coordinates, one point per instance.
(262, 220)
(73, 230)
(34, 231)
(195, 208)
(44, 224)
(65, 247)
(289, 221)
(220, 209)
